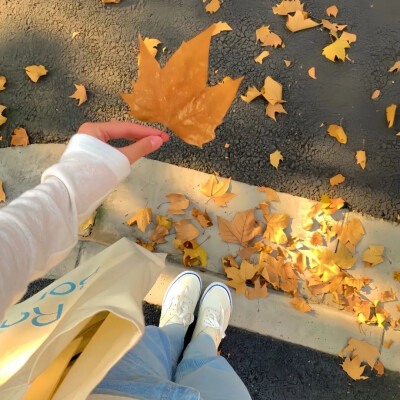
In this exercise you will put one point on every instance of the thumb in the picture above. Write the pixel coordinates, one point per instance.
(141, 148)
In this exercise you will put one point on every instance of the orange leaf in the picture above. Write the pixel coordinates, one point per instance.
(3, 81)
(240, 276)
(272, 91)
(213, 6)
(259, 59)
(35, 72)
(148, 246)
(186, 231)
(376, 94)
(353, 368)
(241, 230)
(316, 239)
(177, 96)
(333, 28)
(271, 110)
(217, 191)
(387, 295)
(373, 256)
(164, 221)
(390, 114)
(337, 179)
(151, 44)
(287, 6)
(395, 67)
(338, 133)
(79, 94)
(158, 235)
(287, 63)
(311, 73)
(300, 21)
(351, 234)
(363, 350)
(142, 218)
(396, 276)
(178, 203)
(276, 223)
(388, 344)
(221, 27)
(300, 305)
(379, 367)
(268, 38)
(271, 193)
(2, 193)
(361, 158)
(258, 292)
(3, 119)
(332, 11)
(348, 37)
(19, 137)
(275, 158)
(203, 219)
(252, 93)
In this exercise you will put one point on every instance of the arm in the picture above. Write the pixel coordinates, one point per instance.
(38, 229)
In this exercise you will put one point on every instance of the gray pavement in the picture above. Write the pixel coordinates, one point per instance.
(103, 58)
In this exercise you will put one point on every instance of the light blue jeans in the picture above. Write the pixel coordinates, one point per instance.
(149, 370)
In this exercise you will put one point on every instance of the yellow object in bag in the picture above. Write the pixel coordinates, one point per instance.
(61, 342)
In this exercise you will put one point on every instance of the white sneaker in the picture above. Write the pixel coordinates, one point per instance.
(214, 312)
(181, 299)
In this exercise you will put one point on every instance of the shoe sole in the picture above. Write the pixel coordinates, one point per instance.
(212, 285)
(178, 277)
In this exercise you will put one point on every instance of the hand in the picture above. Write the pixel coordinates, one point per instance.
(147, 139)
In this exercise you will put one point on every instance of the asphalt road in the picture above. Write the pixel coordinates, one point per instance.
(103, 58)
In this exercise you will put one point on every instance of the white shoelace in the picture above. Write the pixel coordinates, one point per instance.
(182, 304)
(213, 320)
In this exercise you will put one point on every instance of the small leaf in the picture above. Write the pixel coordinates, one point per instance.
(337, 179)
(3, 81)
(271, 193)
(332, 11)
(376, 94)
(388, 344)
(75, 34)
(336, 50)
(79, 94)
(186, 231)
(300, 21)
(177, 203)
(268, 38)
(272, 91)
(373, 256)
(252, 93)
(221, 27)
(361, 158)
(271, 110)
(19, 137)
(338, 133)
(395, 67)
(390, 114)
(275, 158)
(387, 295)
(35, 72)
(353, 368)
(287, 63)
(287, 6)
(142, 218)
(259, 59)
(347, 36)
(213, 6)
(148, 246)
(300, 305)
(2, 193)
(217, 191)
(3, 119)
(203, 219)
(311, 73)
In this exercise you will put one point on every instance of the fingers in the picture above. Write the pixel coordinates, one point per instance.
(141, 148)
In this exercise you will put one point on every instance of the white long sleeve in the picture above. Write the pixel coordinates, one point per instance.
(39, 228)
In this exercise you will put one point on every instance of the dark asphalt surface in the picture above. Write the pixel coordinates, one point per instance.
(276, 370)
(103, 58)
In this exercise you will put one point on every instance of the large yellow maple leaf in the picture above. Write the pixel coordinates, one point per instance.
(177, 96)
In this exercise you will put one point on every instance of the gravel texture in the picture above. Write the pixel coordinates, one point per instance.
(103, 58)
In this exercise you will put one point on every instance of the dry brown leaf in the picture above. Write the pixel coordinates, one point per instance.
(221, 27)
(287, 63)
(276, 223)
(142, 218)
(272, 91)
(387, 295)
(3, 81)
(361, 158)
(240, 276)
(3, 119)
(258, 292)
(351, 233)
(270, 193)
(2, 193)
(337, 49)
(300, 21)
(19, 137)
(353, 368)
(158, 235)
(373, 256)
(300, 305)
(390, 114)
(271, 110)
(177, 96)
(275, 158)
(213, 6)
(252, 93)
(363, 350)
(379, 367)
(259, 59)
(193, 254)
(348, 37)
(186, 231)
(338, 133)
(177, 203)
(203, 219)
(376, 94)
(217, 191)
(395, 67)
(242, 229)
(332, 11)
(148, 246)
(337, 179)
(388, 344)
(311, 73)
(79, 94)
(268, 38)
(287, 6)
(344, 259)
(35, 72)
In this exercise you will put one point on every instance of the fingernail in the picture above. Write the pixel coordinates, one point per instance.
(156, 142)
(165, 137)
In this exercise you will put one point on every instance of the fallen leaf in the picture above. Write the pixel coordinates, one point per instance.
(252, 93)
(75, 34)
(148, 246)
(35, 72)
(213, 6)
(3, 81)
(186, 231)
(272, 91)
(221, 27)
(387, 295)
(259, 59)
(164, 221)
(373, 256)
(142, 218)
(332, 11)
(239, 276)
(111, 1)
(344, 259)
(300, 21)
(217, 191)
(337, 179)
(271, 110)
(203, 219)
(353, 368)
(19, 137)
(271, 193)
(395, 67)
(287, 63)
(177, 203)
(275, 158)
(151, 44)
(79, 94)
(287, 6)
(316, 239)
(177, 96)
(379, 368)
(2, 193)
(348, 37)
(242, 229)
(268, 38)
(193, 254)
(311, 73)
(276, 223)
(300, 305)
(3, 119)
(338, 133)
(396, 276)
(361, 158)
(363, 350)
(336, 49)
(376, 94)
(390, 114)
(258, 292)
(351, 233)
(388, 344)
(332, 27)
(158, 235)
